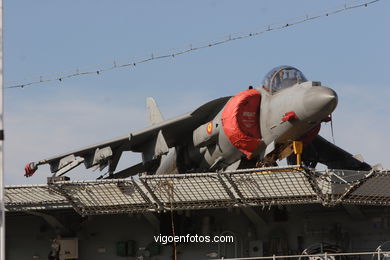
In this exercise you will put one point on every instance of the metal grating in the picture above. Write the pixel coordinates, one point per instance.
(190, 191)
(33, 197)
(251, 187)
(270, 187)
(105, 196)
(375, 190)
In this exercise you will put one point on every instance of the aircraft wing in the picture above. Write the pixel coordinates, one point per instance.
(151, 142)
(322, 151)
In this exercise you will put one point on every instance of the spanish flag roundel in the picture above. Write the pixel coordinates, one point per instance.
(210, 127)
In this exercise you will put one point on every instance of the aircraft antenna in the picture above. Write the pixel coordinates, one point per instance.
(331, 128)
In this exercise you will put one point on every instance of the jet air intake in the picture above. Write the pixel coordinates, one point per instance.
(241, 121)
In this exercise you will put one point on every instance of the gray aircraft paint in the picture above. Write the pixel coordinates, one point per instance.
(181, 144)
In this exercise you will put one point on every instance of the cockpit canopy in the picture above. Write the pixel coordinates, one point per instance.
(282, 77)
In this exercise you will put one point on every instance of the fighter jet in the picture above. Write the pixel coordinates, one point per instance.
(257, 127)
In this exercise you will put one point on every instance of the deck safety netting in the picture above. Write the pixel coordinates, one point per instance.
(33, 197)
(190, 191)
(375, 190)
(291, 186)
(104, 197)
(251, 187)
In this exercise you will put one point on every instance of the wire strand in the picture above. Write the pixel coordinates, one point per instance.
(173, 52)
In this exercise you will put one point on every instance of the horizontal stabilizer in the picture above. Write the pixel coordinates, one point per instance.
(322, 151)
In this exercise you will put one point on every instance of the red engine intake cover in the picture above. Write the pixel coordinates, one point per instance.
(241, 121)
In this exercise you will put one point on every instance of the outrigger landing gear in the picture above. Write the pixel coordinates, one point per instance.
(298, 147)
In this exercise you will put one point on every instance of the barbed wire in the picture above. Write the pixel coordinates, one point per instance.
(173, 52)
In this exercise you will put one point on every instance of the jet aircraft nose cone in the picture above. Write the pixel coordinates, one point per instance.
(320, 101)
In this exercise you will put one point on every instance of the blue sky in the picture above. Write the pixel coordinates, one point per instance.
(347, 52)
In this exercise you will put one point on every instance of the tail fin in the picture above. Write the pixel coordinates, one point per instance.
(155, 116)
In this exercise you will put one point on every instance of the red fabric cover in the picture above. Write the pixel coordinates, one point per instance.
(28, 170)
(241, 121)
